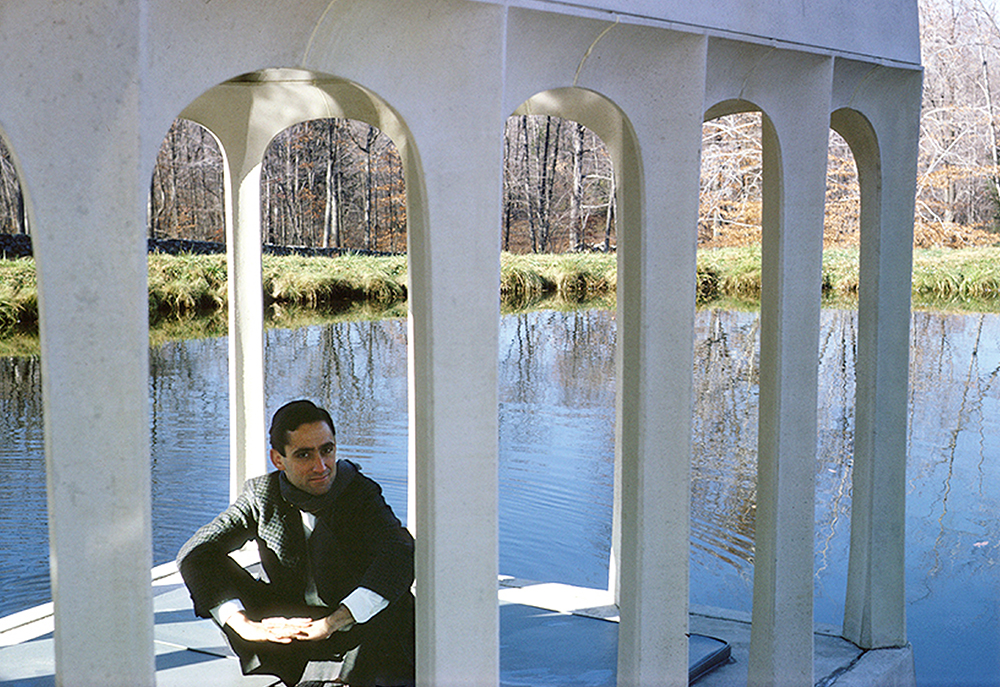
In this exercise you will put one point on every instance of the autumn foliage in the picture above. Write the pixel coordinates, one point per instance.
(339, 183)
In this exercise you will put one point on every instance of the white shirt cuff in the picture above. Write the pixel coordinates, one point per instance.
(224, 611)
(364, 604)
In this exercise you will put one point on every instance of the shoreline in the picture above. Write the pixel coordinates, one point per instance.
(188, 286)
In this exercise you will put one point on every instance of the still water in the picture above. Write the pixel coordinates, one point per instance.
(556, 458)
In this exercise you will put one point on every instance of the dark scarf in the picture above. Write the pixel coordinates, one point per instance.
(317, 504)
(322, 545)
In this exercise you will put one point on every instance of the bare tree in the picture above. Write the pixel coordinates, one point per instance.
(557, 179)
(730, 202)
(185, 196)
(957, 187)
(12, 216)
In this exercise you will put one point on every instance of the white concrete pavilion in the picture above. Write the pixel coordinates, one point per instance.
(88, 90)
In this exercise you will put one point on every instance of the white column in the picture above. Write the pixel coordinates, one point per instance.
(642, 91)
(247, 422)
(656, 299)
(795, 142)
(454, 268)
(452, 155)
(78, 133)
(881, 123)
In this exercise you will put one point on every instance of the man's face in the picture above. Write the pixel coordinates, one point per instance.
(310, 458)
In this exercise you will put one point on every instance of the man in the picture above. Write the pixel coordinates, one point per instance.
(337, 561)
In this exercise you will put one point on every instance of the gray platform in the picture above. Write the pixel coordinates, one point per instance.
(189, 651)
(550, 634)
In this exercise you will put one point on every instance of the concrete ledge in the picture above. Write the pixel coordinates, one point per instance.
(190, 650)
(878, 668)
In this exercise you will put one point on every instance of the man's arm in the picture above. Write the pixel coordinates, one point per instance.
(390, 572)
(211, 575)
(364, 604)
(286, 630)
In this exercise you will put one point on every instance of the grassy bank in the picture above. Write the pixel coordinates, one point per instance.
(188, 285)
(18, 295)
(966, 278)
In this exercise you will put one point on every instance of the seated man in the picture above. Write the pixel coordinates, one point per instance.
(338, 564)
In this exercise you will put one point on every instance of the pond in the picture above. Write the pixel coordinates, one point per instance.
(556, 415)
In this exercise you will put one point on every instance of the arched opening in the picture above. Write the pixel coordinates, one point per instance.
(559, 192)
(567, 119)
(324, 183)
(836, 389)
(557, 352)
(311, 173)
(728, 359)
(246, 114)
(276, 173)
(24, 534)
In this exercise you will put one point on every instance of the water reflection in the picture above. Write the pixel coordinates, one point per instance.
(358, 371)
(556, 416)
(24, 535)
(724, 452)
(557, 426)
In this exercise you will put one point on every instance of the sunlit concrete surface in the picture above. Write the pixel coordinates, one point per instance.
(551, 635)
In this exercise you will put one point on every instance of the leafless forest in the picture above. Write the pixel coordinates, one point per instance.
(339, 183)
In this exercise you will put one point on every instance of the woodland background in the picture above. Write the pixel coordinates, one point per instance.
(338, 183)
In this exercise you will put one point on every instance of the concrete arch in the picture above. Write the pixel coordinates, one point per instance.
(731, 107)
(245, 114)
(648, 86)
(602, 116)
(792, 90)
(876, 110)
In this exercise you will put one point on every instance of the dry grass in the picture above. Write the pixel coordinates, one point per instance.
(18, 295)
(181, 287)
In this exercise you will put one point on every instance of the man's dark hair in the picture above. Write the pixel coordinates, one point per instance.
(291, 416)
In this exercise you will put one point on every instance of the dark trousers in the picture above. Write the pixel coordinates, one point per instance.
(382, 649)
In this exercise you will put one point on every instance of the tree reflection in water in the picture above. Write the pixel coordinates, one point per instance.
(556, 421)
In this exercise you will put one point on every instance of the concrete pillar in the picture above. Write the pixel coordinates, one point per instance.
(247, 421)
(455, 323)
(642, 92)
(793, 90)
(73, 114)
(243, 132)
(454, 253)
(656, 227)
(243, 129)
(877, 113)
(450, 102)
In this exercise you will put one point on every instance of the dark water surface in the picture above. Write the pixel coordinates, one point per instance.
(557, 452)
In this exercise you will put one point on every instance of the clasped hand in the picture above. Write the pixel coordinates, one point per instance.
(287, 630)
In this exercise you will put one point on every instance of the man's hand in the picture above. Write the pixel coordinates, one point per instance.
(308, 630)
(287, 630)
(279, 630)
